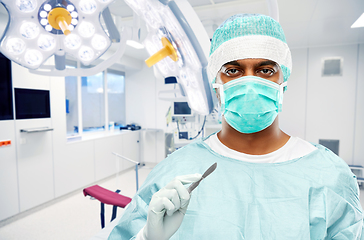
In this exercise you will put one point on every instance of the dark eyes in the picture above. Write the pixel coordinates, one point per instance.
(267, 72)
(231, 71)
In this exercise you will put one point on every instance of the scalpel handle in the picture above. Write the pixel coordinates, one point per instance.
(193, 185)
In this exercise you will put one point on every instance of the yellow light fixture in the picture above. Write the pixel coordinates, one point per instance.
(59, 18)
(167, 51)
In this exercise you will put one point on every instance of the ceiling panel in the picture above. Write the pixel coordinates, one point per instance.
(305, 23)
(333, 31)
(222, 1)
(196, 3)
(338, 8)
(291, 11)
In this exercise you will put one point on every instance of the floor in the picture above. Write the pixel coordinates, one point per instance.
(74, 217)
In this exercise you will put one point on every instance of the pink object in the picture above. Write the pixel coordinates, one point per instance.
(107, 196)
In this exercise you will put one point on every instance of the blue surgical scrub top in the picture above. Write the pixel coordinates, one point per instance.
(312, 197)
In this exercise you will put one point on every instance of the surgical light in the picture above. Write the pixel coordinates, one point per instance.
(48, 28)
(43, 14)
(48, 7)
(359, 22)
(44, 22)
(29, 30)
(72, 41)
(46, 42)
(99, 42)
(74, 14)
(135, 44)
(88, 6)
(86, 53)
(15, 46)
(179, 46)
(86, 29)
(39, 29)
(26, 5)
(70, 8)
(33, 57)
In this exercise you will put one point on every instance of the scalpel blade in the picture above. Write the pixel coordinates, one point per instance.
(208, 172)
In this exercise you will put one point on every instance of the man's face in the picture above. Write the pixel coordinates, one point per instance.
(258, 67)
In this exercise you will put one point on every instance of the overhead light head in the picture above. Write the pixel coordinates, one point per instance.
(359, 22)
(39, 29)
(135, 44)
(176, 40)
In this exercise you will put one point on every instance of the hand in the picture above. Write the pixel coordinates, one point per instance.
(167, 208)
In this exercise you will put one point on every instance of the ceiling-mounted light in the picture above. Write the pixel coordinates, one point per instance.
(26, 5)
(135, 38)
(179, 46)
(359, 22)
(39, 29)
(135, 44)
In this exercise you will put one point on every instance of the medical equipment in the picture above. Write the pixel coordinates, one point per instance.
(106, 196)
(40, 29)
(178, 45)
(181, 109)
(187, 134)
(206, 173)
(250, 36)
(137, 164)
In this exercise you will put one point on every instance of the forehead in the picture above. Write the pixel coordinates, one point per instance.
(252, 62)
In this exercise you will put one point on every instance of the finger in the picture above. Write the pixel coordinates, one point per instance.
(172, 195)
(161, 204)
(181, 190)
(175, 199)
(183, 193)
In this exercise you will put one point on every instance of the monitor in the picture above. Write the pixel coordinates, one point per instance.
(181, 109)
(32, 103)
(6, 90)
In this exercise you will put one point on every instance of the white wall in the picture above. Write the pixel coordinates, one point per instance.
(140, 95)
(331, 100)
(359, 116)
(9, 196)
(144, 108)
(317, 107)
(292, 119)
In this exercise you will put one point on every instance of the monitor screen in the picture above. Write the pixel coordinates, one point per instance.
(6, 91)
(31, 103)
(181, 108)
(170, 80)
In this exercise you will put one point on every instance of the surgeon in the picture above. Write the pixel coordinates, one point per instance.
(267, 185)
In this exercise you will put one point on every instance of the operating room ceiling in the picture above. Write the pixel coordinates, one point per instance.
(307, 23)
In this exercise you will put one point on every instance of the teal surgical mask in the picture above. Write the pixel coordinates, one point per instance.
(250, 104)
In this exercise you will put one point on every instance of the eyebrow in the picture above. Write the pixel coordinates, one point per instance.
(263, 63)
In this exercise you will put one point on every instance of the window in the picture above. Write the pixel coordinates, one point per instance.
(116, 97)
(93, 103)
(89, 108)
(71, 105)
